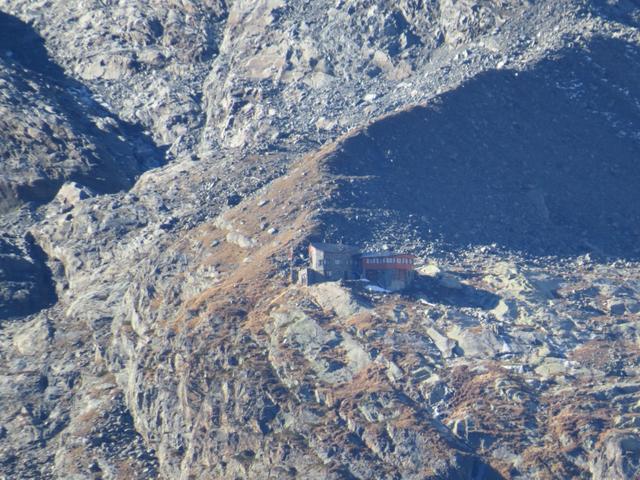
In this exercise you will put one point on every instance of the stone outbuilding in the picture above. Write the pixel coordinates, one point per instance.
(334, 261)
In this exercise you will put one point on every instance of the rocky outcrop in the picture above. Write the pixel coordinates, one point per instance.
(617, 456)
(149, 329)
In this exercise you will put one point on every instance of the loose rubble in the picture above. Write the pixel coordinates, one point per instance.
(162, 163)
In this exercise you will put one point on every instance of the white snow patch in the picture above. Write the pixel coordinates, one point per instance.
(375, 288)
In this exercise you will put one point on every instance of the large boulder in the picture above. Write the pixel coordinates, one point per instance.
(618, 458)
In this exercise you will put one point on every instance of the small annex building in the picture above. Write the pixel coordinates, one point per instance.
(333, 261)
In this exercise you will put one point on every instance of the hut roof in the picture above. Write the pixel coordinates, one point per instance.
(385, 254)
(335, 247)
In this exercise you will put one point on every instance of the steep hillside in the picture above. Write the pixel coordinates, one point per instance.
(161, 160)
(52, 131)
(541, 160)
(470, 368)
(145, 59)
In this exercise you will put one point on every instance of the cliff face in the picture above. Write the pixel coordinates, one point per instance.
(159, 161)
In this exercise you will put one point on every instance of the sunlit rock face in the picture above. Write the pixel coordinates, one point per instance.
(165, 165)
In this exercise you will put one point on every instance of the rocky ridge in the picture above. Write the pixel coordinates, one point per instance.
(175, 346)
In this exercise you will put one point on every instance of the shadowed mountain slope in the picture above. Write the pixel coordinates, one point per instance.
(178, 347)
(544, 161)
(51, 129)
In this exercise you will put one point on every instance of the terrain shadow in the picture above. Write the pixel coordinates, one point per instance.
(120, 151)
(543, 161)
(26, 284)
(623, 11)
(464, 296)
(20, 42)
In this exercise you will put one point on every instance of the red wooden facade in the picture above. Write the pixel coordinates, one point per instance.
(400, 261)
(394, 271)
